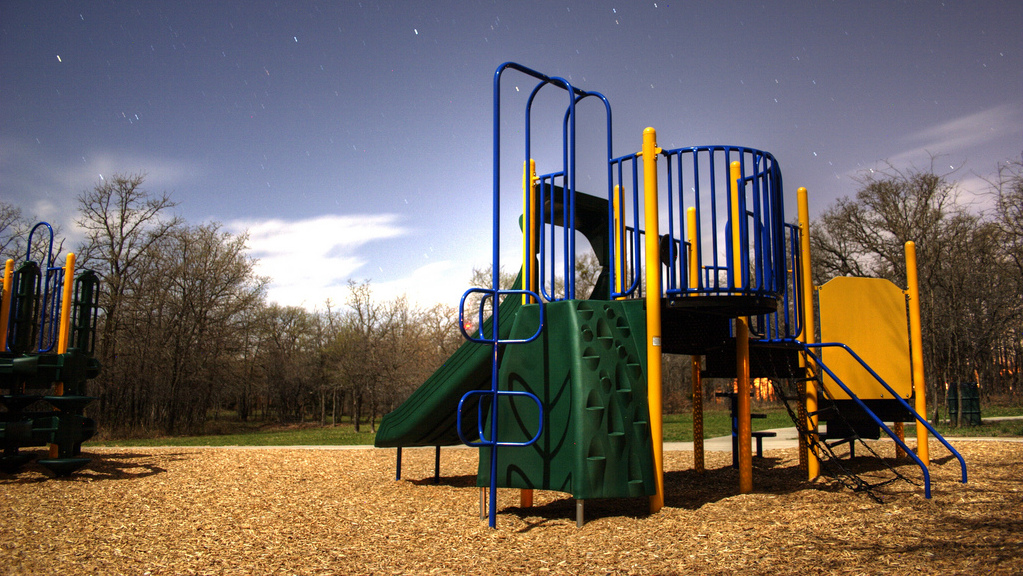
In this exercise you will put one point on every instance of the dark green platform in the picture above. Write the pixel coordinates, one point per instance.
(589, 370)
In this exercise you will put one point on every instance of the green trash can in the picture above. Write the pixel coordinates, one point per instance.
(971, 403)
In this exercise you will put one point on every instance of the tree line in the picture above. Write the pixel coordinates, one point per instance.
(187, 334)
(970, 263)
(186, 331)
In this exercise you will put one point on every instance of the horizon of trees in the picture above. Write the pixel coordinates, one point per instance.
(187, 334)
(969, 261)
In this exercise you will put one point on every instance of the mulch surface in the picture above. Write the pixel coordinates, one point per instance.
(149, 511)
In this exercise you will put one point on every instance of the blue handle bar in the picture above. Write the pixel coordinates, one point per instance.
(479, 410)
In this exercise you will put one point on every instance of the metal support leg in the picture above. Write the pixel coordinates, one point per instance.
(483, 505)
(436, 467)
(397, 467)
(579, 509)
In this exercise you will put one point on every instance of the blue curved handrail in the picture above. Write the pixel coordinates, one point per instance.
(488, 294)
(52, 287)
(863, 406)
(483, 441)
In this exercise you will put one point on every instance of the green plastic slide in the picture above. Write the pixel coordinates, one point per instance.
(429, 416)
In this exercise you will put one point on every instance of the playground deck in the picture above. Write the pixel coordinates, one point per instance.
(228, 511)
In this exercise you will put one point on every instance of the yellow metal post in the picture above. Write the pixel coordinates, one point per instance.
(745, 431)
(916, 343)
(64, 326)
(809, 334)
(64, 329)
(529, 276)
(5, 303)
(619, 250)
(653, 309)
(694, 282)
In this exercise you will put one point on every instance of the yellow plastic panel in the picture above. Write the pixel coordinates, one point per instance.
(868, 315)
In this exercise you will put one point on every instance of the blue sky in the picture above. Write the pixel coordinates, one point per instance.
(353, 139)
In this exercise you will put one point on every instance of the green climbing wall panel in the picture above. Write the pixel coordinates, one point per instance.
(589, 370)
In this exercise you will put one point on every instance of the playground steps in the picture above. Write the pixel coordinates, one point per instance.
(589, 370)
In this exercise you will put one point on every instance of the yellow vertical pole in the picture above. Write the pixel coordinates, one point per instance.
(741, 344)
(694, 282)
(64, 327)
(5, 303)
(529, 275)
(619, 267)
(916, 344)
(694, 248)
(64, 330)
(809, 335)
(653, 309)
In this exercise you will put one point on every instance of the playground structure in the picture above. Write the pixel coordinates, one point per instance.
(564, 394)
(48, 318)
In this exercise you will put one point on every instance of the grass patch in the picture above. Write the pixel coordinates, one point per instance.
(718, 422)
(677, 428)
(343, 435)
(987, 428)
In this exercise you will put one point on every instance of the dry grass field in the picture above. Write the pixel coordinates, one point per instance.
(154, 511)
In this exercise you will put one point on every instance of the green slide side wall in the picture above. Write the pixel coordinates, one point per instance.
(589, 370)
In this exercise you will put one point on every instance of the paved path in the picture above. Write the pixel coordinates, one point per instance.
(785, 438)
(789, 438)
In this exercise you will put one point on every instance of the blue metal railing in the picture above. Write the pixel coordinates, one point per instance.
(494, 393)
(786, 323)
(625, 176)
(481, 433)
(550, 251)
(920, 420)
(699, 177)
(47, 289)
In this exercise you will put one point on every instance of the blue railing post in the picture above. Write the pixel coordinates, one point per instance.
(888, 431)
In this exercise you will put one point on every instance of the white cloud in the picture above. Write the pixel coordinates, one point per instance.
(968, 140)
(49, 191)
(310, 260)
(441, 282)
(955, 138)
(971, 130)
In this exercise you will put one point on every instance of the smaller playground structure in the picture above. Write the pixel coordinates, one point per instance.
(48, 319)
(564, 393)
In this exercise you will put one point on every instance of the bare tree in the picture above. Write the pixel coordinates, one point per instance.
(122, 222)
(967, 296)
(13, 231)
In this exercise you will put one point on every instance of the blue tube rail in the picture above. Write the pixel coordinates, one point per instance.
(49, 287)
(923, 467)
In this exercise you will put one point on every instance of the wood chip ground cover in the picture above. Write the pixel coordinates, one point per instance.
(283, 511)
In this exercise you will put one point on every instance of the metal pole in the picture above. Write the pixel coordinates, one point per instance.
(436, 467)
(397, 466)
(653, 310)
(916, 344)
(694, 284)
(5, 302)
(809, 335)
(745, 434)
(64, 329)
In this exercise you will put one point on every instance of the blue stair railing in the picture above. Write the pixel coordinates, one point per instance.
(495, 393)
(921, 421)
